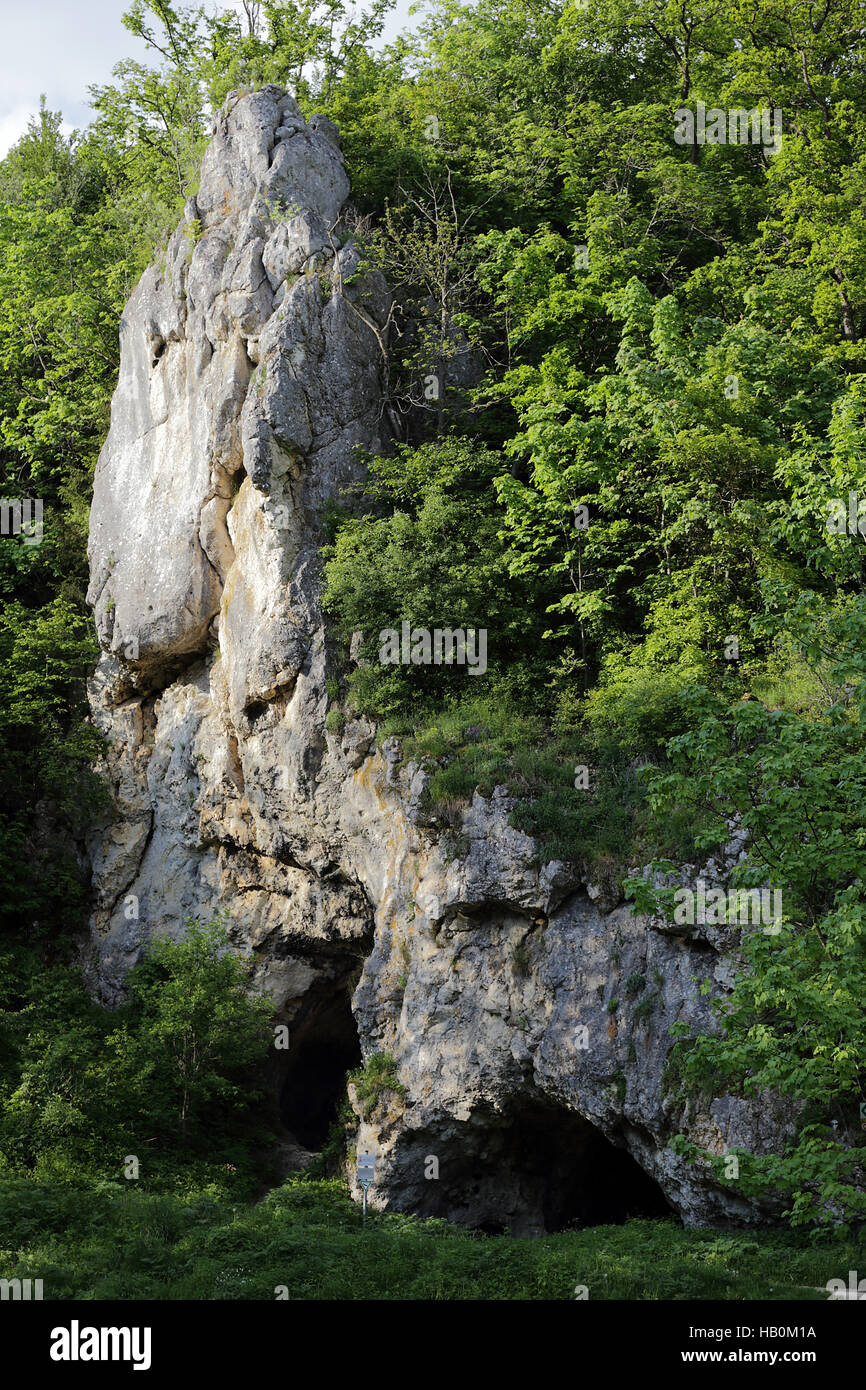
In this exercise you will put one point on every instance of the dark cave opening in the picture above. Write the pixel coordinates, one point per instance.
(573, 1174)
(544, 1169)
(324, 1046)
(601, 1185)
(539, 1168)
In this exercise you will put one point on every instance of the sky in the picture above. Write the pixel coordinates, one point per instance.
(60, 47)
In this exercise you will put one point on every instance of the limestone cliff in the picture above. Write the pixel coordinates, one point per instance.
(251, 370)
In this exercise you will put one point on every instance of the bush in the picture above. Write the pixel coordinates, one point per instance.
(170, 1077)
(433, 560)
(378, 1074)
(792, 1028)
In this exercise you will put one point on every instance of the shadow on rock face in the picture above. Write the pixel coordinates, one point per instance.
(538, 1169)
(324, 1047)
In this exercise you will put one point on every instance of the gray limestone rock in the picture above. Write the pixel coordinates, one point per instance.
(527, 1011)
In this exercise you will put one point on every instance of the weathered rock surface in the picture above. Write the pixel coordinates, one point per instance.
(250, 372)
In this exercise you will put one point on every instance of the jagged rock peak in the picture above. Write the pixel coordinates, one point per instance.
(522, 1013)
(244, 352)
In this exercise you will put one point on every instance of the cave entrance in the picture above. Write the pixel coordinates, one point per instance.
(324, 1046)
(570, 1175)
(539, 1169)
(595, 1183)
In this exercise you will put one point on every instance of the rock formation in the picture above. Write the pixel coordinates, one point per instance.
(250, 376)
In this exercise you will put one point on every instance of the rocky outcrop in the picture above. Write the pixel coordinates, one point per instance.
(526, 1011)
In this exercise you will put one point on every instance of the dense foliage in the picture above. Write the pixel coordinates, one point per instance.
(304, 1241)
(168, 1080)
(648, 400)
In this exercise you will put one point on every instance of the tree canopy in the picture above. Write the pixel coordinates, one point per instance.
(648, 418)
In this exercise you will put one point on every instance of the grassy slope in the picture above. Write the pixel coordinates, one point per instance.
(113, 1242)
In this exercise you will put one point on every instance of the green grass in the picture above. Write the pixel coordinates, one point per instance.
(378, 1074)
(478, 744)
(113, 1242)
(335, 721)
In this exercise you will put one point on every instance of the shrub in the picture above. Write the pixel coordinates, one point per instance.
(521, 959)
(378, 1074)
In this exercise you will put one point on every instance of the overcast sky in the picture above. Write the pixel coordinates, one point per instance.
(60, 47)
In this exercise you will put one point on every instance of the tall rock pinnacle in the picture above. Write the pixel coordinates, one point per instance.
(492, 986)
(244, 354)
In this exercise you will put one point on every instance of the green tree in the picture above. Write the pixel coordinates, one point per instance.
(173, 1075)
(792, 1029)
(432, 560)
(193, 1033)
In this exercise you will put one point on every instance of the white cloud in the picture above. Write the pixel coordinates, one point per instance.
(59, 49)
(13, 125)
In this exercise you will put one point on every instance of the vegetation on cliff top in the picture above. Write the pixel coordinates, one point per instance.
(647, 404)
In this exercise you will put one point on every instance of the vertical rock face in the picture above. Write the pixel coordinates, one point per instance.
(250, 375)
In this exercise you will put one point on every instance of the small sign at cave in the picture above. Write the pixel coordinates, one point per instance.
(366, 1169)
